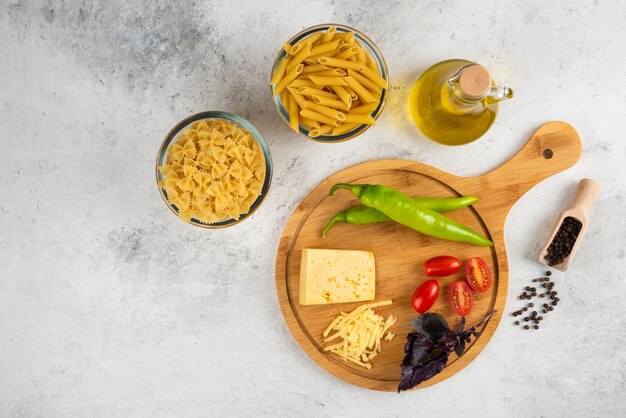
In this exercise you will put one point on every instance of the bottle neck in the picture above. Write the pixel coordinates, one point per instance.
(454, 102)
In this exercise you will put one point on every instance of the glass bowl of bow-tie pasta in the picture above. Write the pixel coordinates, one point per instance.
(213, 169)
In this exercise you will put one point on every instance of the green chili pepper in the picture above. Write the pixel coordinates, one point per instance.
(361, 215)
(402, 209)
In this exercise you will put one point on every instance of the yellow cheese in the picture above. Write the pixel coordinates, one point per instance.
(362, 331)
(336, 276)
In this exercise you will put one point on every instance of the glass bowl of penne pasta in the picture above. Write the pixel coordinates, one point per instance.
(329, 83)
(213, 169)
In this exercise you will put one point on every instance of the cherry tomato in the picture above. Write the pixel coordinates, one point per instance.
(442, 266)
(461, 298)
(425, 296)
(478, 275)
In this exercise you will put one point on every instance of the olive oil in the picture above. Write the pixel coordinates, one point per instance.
(455, 102)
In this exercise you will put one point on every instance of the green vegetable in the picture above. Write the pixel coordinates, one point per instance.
(361, 215)
(402, 209)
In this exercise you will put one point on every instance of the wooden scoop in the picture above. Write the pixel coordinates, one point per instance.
(587, 192)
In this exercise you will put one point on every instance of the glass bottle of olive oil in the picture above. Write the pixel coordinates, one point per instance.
(456, 101)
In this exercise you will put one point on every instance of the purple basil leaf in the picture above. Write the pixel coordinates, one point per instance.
(432, 325)
(408, 348)
(413, 376)
(416, 350)
(422, 348)
(461, 324)
(476, 334)
(460, 348)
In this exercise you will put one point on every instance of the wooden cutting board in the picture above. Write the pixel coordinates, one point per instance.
(400, 252)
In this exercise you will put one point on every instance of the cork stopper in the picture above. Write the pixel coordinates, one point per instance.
(474, 82)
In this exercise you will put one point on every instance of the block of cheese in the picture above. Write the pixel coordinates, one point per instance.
(335, 276)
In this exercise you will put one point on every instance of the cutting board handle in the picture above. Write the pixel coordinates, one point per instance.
(554, 147)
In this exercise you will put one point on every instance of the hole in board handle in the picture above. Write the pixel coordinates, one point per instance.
(547, 153)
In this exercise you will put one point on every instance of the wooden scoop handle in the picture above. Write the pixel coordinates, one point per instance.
(588, 191)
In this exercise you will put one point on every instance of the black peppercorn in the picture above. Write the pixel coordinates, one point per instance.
(536, 326)
(526, 327)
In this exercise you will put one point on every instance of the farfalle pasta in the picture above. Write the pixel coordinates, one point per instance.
(214, 172)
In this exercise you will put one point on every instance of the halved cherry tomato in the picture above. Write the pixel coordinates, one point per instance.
(461, 298)
(425, 296)
(477, 274)
(442, 266)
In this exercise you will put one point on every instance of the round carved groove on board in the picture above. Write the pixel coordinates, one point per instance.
(401, 252)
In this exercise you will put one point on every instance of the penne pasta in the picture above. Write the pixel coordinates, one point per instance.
(333, 72)
(323, 110)
(313, 58)
(372, 66)
(293, 114)
(361, 56)
(295, 49)
(344, 128)
(328, 36)
(364, 109)
(360, 119)
(313, 38)
(343, 94)
(361, 91)
(318, 117)
(377, 79)
(302, 83)
(322, 130)
(337, 63)
(348, 52)
(344, 36)
(288, 78)
(325, 47)
(284, 99)
(310, 124)
(351, 92)
(314, 68)
(334, 103)
(311, 91)
(299, 98)
(299, 57)
(364, 81)
(328, 81)
(328, 84)
(280, 71)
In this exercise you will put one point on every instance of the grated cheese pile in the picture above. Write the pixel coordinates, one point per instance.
(361, 332)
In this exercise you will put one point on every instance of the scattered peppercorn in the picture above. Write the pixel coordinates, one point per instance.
(530, 292)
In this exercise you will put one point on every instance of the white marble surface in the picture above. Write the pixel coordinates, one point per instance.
(110, 306)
